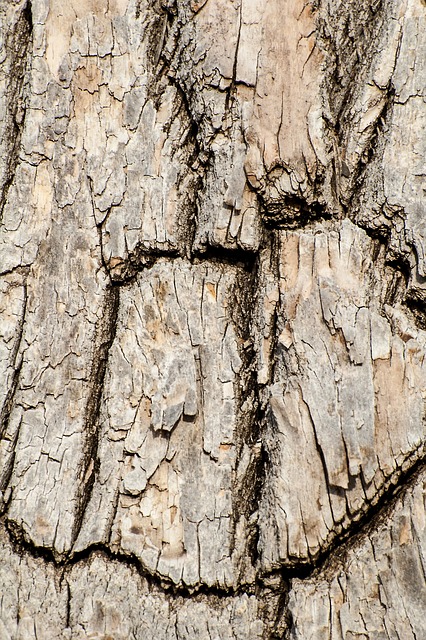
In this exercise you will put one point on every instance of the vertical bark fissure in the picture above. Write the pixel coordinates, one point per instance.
(18, 44)
(104, 337)
(246, 488)
(351, 202)
(8, 403)
(169, 33)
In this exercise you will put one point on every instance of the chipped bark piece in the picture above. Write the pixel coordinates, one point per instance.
(171, 413)
(350, 415)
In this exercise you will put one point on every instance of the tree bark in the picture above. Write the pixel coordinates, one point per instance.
(213, 334)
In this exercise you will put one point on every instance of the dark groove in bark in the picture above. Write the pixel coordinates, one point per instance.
(195, 167)
(360, 172)
(68, 606)
(6, 410)
(143, 259)
(19, 42)
(7, 470)
(368, 521)
(168, 28)
(23, 545)
(418, 310)
(359, 24)
(245, 488)
(274, 607)
(222, 255)
(398, 289)
(348, 36)
(7, 405)
(291, 212)
(104, 337)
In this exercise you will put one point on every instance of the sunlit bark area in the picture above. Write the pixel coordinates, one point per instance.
(212, 319)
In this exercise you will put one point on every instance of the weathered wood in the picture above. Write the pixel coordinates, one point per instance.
(377, 590)
(212, 319)
(343, 362)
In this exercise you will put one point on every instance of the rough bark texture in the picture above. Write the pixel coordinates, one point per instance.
(213, 329)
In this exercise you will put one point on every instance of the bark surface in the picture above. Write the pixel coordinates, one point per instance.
(212, 319)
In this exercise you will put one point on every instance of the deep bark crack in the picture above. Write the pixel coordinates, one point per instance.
(18, 43)
(104, 337)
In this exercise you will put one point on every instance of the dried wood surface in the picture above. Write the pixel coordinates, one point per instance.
(212, 319)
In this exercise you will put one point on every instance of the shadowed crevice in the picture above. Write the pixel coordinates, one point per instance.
(18, 44)
(17, 364)
(16, 361)
(104, 337)
(335, 555)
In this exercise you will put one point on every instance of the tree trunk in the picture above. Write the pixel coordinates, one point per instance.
(213, 289)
